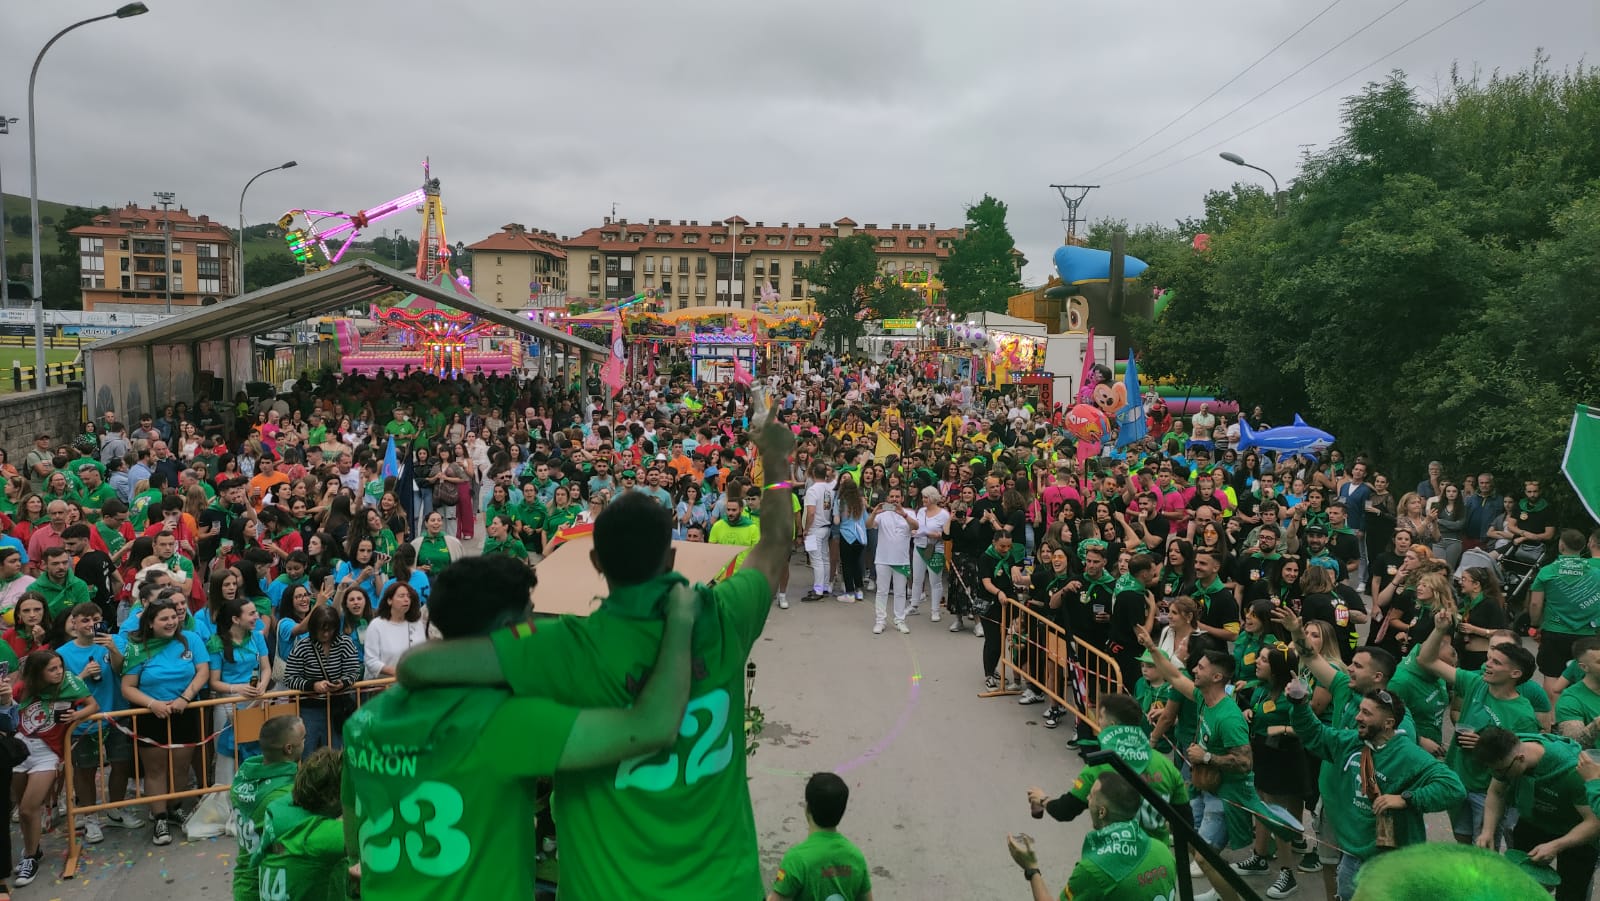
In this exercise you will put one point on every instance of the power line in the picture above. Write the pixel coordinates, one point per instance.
(1302, 101)
(1071, 219)
(1242, 72)
(1274, 86)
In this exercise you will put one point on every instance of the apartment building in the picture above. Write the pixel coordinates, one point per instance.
(519, 268)
(122, 258)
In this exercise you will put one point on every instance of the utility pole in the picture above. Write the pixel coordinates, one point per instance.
(166, 201)
(1073, 202)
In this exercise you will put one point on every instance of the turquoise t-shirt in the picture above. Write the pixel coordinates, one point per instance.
(170, 669)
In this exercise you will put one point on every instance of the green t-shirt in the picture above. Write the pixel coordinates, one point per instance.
(444, 809)
(1579, 702)
(532, 516)
(1222, 726)
(402, 431)
(1158, 771)
(139, 510)
(1480, 709)
(680, 816)
(434, 552)
(113, 538)
(508, 547)
(1121, 863)
(63, 597)
(1425, 696)
(1571, 596)
(94, 500)
(256, 785)
(1550, 793)
(301, 857)
(826, 865)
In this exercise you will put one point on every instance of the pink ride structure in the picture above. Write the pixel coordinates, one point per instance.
(418, 334)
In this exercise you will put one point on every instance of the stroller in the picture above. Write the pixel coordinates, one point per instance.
(1515, 568)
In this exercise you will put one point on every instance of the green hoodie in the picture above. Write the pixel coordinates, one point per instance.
(301, 856)
(1400, 765)
(256, 785)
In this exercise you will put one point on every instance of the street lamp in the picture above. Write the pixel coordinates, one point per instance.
(5, 283)
(238, 287)
(165, 197)
(1238, 160)
(123, 12)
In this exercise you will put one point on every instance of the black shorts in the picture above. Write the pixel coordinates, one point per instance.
(185, 728)
(1555, 652)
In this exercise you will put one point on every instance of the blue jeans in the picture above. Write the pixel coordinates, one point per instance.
(1348, 866)
(1207, 811)
(1468, 815)
(318, 734)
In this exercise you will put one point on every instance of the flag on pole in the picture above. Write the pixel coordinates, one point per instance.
(391, 460)
(611, 375)
(1131, 424)
(741, 375)
(1085, 390)
(1581, 463)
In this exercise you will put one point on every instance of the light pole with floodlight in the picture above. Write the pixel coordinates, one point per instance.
(5, 283)
(123, 12)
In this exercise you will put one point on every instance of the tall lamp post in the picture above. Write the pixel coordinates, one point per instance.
(5, 282)
(1237, 160)
(123, 12)
(239, 285)
(165, 198)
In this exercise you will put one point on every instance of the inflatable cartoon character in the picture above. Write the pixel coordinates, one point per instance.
(1101, 391)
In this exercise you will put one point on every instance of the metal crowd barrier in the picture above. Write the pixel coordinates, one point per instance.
(24, 378)
(247, 716)
(1066, 669)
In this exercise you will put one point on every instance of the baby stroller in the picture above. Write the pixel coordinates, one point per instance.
(1515, 568)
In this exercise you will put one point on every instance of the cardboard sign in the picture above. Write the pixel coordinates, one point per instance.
(569, 583)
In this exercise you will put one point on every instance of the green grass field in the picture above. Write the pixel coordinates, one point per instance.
(23, 356)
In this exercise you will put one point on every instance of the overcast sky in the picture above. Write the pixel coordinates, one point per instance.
(546, 114)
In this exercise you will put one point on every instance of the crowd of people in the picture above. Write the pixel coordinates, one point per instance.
(1272, 618)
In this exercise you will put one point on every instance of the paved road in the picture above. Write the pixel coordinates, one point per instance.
(937, 774)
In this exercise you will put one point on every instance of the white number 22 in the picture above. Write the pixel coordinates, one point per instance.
(707, 757)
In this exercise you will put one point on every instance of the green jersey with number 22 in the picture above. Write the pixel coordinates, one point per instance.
(676, 823)
(441, 783)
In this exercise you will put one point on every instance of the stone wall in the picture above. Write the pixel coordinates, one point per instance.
(58, 411)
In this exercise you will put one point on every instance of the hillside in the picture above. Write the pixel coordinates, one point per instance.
(50, 211)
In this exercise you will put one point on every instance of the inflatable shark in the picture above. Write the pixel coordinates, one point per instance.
(1298, 438)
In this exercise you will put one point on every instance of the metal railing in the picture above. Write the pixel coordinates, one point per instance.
(24, 378)
(247, 717)
(1065, 669)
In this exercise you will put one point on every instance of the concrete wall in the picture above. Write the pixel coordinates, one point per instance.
(58, 411)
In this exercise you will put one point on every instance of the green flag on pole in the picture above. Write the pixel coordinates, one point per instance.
(1582, 461)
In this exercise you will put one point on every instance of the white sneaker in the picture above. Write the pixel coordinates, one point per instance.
(91, 830)
(846, 599)
(1194, 870)
(956, 626)
(977, 628)
(904, 629)
(877, 628)
(783, 602)
(124, 818)
(935, 617)
(1029, 696)
(913, 611)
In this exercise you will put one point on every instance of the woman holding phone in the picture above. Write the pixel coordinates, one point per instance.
(326, 663)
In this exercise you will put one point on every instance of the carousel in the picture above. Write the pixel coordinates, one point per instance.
(713, 341)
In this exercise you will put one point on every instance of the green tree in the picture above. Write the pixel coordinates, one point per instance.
(62, 276)
(267, 269)
(842, 280)
(1429, 292)
(981, 273)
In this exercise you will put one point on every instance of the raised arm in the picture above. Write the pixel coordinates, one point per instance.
(1316, 663)
(1164, 665)
(607, 735)
(1428, 654)
(770, 556)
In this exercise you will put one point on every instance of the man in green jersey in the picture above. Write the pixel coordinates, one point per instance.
(1488, 697)
(826, 866)
(1121, 731)
(1540, 774)
(1564, 605)
(674, 824)
(1119, 861)
(1405, 781)
(261, 780)
(446, 748)
(1578, 711)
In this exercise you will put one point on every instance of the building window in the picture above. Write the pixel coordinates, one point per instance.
(747, 240)
(946, 243)
(594, 262)
(797, 291)
(93, 264)
(719, 239)
(774, 240)
(777, 269)
(649, 281)
(885, 242)
(177, 247)
(916, 243)
(699, 265)
(664, 238)
(612, 282)
(683, 264)
(649, 264)
(177, 265)
(124, 263)
(594, 283)
(125, 285)
(801, 241)
(827, 241)
(498, 280)
(666, 265)
(122, 243)
(212, 268)
(206, 250)
(92, 245)
(666, 285)
(683, 303)
(691, 239)
(700, 286)
(177, 284)
(209, 285)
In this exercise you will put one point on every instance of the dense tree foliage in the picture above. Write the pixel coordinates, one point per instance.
(1431, 288)
(847, 289)
(981, 273)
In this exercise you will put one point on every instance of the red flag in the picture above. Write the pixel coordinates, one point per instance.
(611, 375)
(741, 375)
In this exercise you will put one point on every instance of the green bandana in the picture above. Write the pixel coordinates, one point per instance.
(1118, 849)
(1535, 507)
(1128, 742)
(1087, 543)
(140, 652)
(1126, 582)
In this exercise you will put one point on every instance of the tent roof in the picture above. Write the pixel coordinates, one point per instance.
(347, 284)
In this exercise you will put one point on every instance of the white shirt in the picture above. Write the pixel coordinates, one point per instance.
(386, 641)
(894, 538)
(930, 528)
(820, 496)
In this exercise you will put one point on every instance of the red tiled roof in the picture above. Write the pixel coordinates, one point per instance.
(514, 238)
(616, 237)
(117, 223)
(845, 221)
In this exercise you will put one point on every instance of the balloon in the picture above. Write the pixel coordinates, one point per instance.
(1085, 422)
(1202, 242)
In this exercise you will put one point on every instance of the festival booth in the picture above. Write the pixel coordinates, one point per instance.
(713, 340)
(420, 333)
